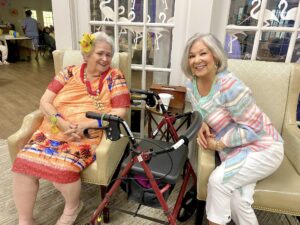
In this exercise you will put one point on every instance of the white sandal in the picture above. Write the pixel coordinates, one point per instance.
(70, 219)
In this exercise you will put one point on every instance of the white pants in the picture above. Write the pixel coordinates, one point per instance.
(4, 52)
(233, 199)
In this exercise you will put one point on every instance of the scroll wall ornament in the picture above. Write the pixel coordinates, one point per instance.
(137, 31)
(107, 11)
(157, 31)
(287, 15)
(163, 1)
(268, 14)
(109, 14)
(162, 17)
(166, 4)
(132, 4)
(232, 38)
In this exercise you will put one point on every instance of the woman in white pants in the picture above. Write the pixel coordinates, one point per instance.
(4, 53)
(248, 144)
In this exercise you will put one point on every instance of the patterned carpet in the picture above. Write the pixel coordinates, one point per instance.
(49, 204)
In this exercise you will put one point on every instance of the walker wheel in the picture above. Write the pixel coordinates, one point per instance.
(188, 205)
(105, 215)
(99, 219)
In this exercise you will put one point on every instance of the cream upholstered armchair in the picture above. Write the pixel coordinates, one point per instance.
(108, 153)
(276, 87)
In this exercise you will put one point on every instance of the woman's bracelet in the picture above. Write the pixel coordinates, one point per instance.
(53, 121)
(99, 123)
(55, 116)
(58, 115)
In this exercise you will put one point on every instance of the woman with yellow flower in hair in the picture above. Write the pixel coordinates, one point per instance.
(58, 150)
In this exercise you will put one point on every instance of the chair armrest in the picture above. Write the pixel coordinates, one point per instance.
(58, 60)
(18, 140)
(291, 136)
(206, 164)
(108, 156)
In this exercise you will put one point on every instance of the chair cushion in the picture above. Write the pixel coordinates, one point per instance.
(280, 191)
(269, 82)
(72, 57)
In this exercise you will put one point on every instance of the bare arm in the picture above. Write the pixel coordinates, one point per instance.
(121, 112)
(46, 106)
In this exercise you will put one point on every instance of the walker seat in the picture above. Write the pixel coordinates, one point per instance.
(166, 169)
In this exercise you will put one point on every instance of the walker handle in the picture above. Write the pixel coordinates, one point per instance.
(151, 96)
(187, 136)
(107, 117)
(113, 131)
(143, 92)
(194, 127)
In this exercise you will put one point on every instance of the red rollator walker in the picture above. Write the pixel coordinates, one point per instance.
(157, 163)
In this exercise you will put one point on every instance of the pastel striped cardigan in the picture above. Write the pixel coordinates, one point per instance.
(231, 112)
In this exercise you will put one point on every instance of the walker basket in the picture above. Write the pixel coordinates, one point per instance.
(144, 195)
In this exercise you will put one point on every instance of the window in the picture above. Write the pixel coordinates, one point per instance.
(143, 28)
(47, 18)
(270, 36)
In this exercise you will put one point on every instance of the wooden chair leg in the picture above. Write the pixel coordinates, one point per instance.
(200, 212)
(105, 212)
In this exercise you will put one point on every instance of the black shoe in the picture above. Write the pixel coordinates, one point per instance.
(188, 205)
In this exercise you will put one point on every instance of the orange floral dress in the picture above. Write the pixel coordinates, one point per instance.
(50, 156)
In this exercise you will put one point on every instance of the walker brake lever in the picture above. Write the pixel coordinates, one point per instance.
(113, 131)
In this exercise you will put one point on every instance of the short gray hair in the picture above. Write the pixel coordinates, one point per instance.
(213, 44)
(100, 37)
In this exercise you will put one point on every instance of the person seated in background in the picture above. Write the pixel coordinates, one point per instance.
(52, 31)
(4, 53)
(248, 144)
(48, 39)
(12, 27)
(58, 151)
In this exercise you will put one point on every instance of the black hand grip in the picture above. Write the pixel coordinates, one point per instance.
(113, 131)
(151, 96)
(194, 127)
(139, 91)
(99, 116)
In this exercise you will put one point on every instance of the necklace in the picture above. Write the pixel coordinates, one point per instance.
(93, 94)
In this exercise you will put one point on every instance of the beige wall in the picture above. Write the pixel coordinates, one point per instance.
(21, 5)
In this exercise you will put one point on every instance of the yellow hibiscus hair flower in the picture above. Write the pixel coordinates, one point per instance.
(86, 42)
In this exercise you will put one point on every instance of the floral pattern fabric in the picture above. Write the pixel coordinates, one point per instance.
(50, 156)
